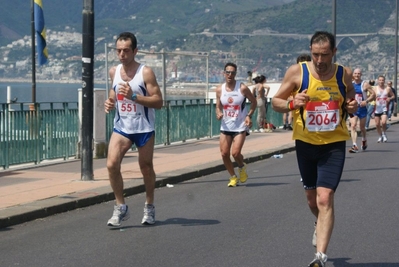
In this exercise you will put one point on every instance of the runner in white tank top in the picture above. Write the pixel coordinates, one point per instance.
(131, 117)
(135, 94)
(231, 110)
(234, 109)
(383, 96)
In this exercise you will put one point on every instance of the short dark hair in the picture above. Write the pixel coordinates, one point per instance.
(231, 64)
(323, 36)
(259, 79)
(128, 36)
(303, 57)
(372, 82)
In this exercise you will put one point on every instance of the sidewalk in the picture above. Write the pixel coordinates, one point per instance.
(47, 189)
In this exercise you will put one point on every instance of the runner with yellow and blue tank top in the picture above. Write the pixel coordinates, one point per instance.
(322, 121)
(323, 96)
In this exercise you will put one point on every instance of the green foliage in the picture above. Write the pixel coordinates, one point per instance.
(386, 44)
(176, 24)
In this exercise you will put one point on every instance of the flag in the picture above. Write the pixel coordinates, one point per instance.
(40, 29)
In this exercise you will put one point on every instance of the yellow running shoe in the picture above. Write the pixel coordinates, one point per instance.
(242, 172)
(233, 181)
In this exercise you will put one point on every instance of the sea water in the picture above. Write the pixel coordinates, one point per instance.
(54, 92)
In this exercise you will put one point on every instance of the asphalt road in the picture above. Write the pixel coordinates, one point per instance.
(202, 222)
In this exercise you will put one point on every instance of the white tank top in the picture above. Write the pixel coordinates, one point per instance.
(381, 104)
(234, 109)
(130, 117)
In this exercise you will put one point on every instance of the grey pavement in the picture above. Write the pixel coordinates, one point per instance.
(36, 191)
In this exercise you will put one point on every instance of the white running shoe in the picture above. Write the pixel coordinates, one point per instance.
(118, 216)
(149, 214)
(384, 138)
(379, 140)
(319, 260)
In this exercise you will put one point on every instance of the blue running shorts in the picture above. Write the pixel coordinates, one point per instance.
(139, 139)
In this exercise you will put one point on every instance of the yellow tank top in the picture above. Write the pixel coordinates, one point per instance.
(323, 120)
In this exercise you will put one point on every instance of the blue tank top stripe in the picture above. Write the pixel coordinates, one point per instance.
(305, 77)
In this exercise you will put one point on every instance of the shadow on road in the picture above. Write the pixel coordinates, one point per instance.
(342, 262)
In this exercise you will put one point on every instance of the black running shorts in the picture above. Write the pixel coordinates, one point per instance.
(320, 165)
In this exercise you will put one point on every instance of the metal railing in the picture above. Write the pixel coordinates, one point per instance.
(51, 130)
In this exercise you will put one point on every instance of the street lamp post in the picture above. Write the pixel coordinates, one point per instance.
(333, 23)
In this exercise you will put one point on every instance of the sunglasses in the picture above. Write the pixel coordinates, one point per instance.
(228, 72)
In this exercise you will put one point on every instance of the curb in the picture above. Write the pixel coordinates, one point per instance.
(48, 207)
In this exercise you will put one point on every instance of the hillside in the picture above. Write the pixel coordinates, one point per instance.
(169, 25)
(151, 19)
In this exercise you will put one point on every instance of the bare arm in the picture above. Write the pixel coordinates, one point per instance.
(290, 83)
(219, 108)
(154, 98)
(391, 95)
(247, 93)
(110, 102)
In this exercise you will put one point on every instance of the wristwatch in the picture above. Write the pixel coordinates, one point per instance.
(249, 116)
(134, 97)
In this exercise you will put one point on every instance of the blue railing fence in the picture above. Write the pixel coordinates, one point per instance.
(46, 131)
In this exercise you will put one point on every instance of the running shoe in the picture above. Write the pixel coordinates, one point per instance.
(354, 149)
(261, 130)
(242, 173)
(314, 238)
(379, 140)
(364, 145)
(384, 138)
(149, 214)
(118, 216)
(319, 260)
(233, 181)
(289, 128)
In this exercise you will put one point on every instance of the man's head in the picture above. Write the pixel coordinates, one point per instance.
(230, 64)
(126, 36)
(322, 50)
(389, 83)
(230, 70)
(357, 74)
(126, 47)
(322, 37)
(381, 80)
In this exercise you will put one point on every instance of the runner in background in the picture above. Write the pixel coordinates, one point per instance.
(231, 109)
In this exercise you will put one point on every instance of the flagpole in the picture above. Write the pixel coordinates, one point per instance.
(33, 52)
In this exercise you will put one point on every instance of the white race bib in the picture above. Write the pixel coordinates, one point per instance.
(231, 111)
(322, 116)
(126, 107)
